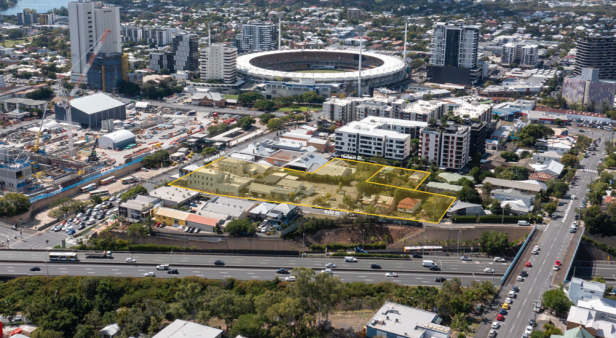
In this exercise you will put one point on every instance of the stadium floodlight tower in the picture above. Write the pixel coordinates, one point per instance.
(279, 32)
(361, 38)
(406, 27)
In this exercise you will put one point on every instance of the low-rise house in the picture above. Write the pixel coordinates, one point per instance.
(543, 177)
(110, 331)
(552, 167)
(259, 212)
(506, 195)
(409, 205)
(183, 329)
(465, 209)
(547, 156)
(437, 186)
(282, 213)
(395, 320)
(454, 177)
(525, 187)
(579, 289)
(385, 204)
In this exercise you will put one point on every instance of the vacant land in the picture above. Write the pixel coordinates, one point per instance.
(301, 108)
(12, 43)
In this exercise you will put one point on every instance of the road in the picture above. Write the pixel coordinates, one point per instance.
(447, 264)
(131, 270)
(553, 244)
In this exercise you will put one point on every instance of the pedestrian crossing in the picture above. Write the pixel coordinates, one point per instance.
(589, 171)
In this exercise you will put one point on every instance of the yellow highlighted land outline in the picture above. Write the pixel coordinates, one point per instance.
(338, 185)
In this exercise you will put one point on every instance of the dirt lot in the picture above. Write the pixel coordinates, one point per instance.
(352, 234)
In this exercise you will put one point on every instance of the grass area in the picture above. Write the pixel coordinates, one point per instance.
(231, 97)
(301, 108)
(12, 43)
(581, 155)
(319, 71)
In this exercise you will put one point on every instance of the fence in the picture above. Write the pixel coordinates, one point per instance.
(88, 180)
(574, 254)
(515, 260)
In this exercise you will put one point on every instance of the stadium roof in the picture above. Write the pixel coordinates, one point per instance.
(95, 103)
(391, 65)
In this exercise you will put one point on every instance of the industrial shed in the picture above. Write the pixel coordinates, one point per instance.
(117, 139)
(90, 110)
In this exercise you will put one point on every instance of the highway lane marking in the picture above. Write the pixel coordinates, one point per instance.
(115, 269)
(118, 273)
(223, 272)
(196, 271)
(361, 276)
(425, 281)
(62, 268)
(251, 273)
(369, 280)
(518, 316)
(88, 269)
(93, 271)
(11, 270)
(415, 277)
(199, 275)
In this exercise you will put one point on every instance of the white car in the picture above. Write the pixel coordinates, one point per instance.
(465, 258)
(495, 325)
(537, 248)
(149, 274)
(290, 279)
(328, 271)
(488, 270)
(391, 274)
(131, 260)
(520, 279)
(499, 260)
(330, 265)
(556, 268)
(512, 294)
(492, 333)
(528, 330)
(508, 300)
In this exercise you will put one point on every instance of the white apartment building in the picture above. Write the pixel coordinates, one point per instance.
(446, 147)
(341, 110)
(87, 22)
(2, 81)
(159, 36)
(257, 36)
(455, 45)
(423, 111)
(480, 112)
(218, 62)
(370, 137)
(389, 108)
(523, 55)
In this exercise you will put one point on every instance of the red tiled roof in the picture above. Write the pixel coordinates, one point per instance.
(201, 220)
(408, 203)
(609, 199)
(541, 176)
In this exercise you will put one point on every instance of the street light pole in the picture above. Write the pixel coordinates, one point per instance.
(363, 235)
(303, 242)
(458, 249)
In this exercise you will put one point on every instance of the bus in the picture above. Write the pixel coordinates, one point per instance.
(88, 187)
(107, 180)
(63, 256)
(129, 180)
(102, 192)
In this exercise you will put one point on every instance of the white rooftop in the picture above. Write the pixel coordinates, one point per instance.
(180, 328)
(95, 103)
(405, 321)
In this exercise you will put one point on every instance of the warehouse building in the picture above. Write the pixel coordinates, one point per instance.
(90, 110)
(116, 140)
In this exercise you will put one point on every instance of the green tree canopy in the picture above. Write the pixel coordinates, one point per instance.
(494, 242)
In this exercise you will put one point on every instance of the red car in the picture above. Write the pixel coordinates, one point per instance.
(528, 264)
(557, 263)
(500, 317)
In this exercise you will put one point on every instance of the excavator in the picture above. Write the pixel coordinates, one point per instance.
(93, 157)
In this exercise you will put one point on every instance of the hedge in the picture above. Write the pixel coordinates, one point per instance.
(609, 249)
(340, 246)
(343, 254)
(509, 219)
(464, 219)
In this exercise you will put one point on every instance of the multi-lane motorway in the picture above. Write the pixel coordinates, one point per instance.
(554, 240)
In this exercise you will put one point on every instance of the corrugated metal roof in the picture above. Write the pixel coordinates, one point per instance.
(95, 103)
(172, 213)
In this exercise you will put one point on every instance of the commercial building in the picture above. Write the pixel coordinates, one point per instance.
(174, 196)
(159, 36)
(47, 19)
(230, 207)
(597, 52)
(139, 208)
(186, 52)
(257, 36)
(522, 54)
(27, 17)
(395, 320)
(182, 329)
(90, 110)
(448, 147)
(479, 135)
(219, 62)
(525, 187)
(87, 23)
(162, 60)
(371, 137)
(581, 290)
(353, 13)
(15, 170)
(107, 70)
(588, 91)
(454, 54)
(14, 103)
(176, 218)
(116, 140)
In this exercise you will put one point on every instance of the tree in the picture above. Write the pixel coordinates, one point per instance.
(40, 94)
(128, 88)
(96, 199)
(556, 300)
(569, 160)
(229, 306)
(532, 132)
(134, 191)
(275, 124)
(265, 118)
(432, 121)
(15, 34)
(559, 122)
(265, 105)
(312, 97)
(248, 325)
(245, 122)
(188, 297)
(494, 242)
(208, 150)
(470, 195)
(550, 208)
(241, 227)
(510, 156)
(137, 229)
(18, 202)
(249, 98)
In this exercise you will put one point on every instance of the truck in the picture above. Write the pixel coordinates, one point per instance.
(428, 263)
(350, 259)
(99, 254)
(162, 267)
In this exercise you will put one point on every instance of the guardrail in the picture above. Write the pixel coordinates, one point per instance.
(515, 259)
(40, 197)
(574, 254)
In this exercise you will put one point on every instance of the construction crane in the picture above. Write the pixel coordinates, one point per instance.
(68, 97)
(93, 157)
(36, 148)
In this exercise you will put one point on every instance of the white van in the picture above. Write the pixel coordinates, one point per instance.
(428, 264)
(524, 223)
(350, 259)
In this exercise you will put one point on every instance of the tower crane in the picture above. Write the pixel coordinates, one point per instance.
(36, 148)
(66, 98)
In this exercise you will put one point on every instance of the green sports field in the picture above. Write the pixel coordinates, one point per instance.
(319, 71)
